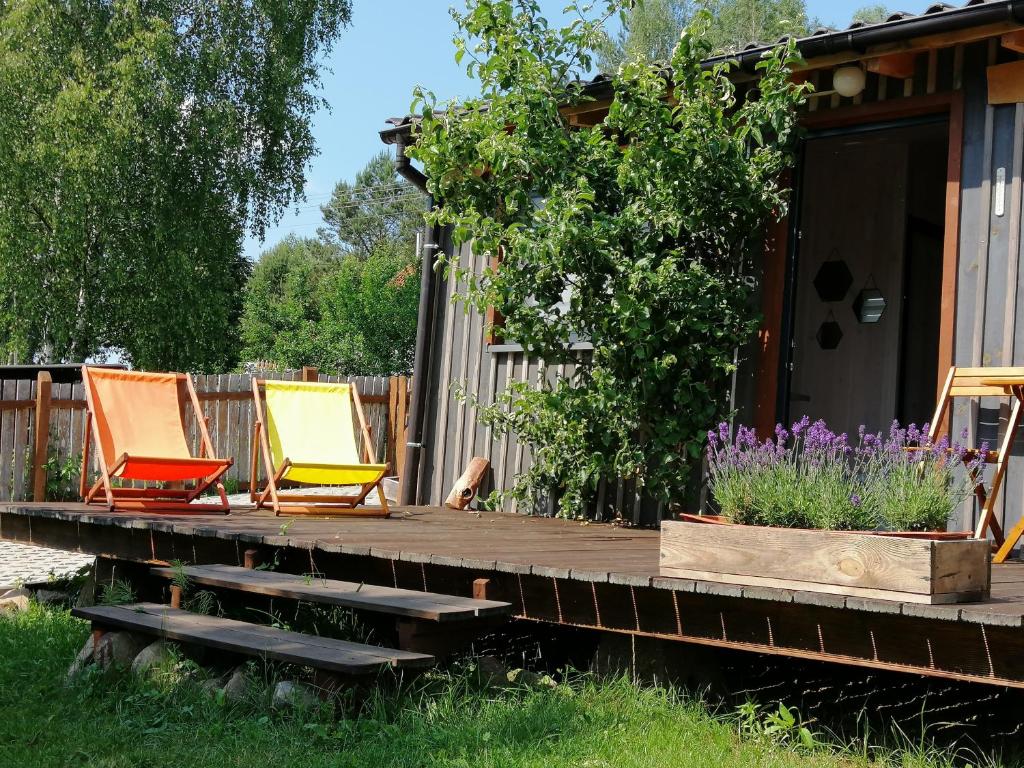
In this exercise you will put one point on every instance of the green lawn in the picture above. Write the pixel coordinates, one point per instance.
(108, 720)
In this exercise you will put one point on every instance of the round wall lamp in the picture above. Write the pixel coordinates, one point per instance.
(848, 81)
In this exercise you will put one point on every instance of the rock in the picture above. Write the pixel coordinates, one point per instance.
(237, 686)
(52, 597)
(87, 594)
(490, 672)
(523, 677)
(14, 600)
(289, 693)
(118, 649)
(84, 657)
(155, 654)
(212, 685)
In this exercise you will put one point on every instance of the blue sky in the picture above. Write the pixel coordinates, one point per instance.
(390, 47)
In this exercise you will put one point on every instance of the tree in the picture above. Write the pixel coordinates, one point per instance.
(281, 321)
(370, 308)
(379, 207)
(630, 233)
(739, 22)
(139, 141)
(871, 14)
(649, 31)
(651, 28)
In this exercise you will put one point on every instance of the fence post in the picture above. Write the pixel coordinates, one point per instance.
(392, 426)
(310, 373)
(44, 386)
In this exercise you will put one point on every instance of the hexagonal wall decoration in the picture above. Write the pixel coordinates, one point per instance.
(829, 335)
(833, 280)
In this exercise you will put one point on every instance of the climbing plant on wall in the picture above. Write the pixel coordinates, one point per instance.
(630, 233)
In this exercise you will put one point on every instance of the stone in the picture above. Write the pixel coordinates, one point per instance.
(237, 686)
(289, 693)
(14, 600)
(52, 597)
(87, 593)
(155, 654)
(531, 679)
(212, 685)
(81, 660)
(490, 672)
(118, 649)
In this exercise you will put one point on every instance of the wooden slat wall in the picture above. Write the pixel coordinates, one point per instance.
(226, 400)
(988, 317)
(989, 276)
(453, 433)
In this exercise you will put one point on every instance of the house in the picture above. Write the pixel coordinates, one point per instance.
(900, 255)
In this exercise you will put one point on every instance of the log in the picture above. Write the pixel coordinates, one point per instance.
(466, 486)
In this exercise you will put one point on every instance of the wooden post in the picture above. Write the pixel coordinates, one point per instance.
(175, 596)
(249, 558)
(391, 435)
(480, 588)
(310, 373)
(44, 387)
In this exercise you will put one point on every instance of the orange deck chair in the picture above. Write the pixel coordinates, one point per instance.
(306, 435)
(137, 422)
(967, 383)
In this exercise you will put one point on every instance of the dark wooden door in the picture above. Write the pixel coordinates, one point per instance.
(852, 239)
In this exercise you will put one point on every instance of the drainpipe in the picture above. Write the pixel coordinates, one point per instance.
(409, 493)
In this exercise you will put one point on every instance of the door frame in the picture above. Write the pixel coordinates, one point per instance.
(779, 278)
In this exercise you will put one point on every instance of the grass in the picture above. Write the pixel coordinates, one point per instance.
(112, 720)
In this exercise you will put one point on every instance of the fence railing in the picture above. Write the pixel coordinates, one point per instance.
(42, 425)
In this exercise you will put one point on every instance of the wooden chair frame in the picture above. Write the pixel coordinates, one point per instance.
(297, 503)
(967, 382)
(178, 500)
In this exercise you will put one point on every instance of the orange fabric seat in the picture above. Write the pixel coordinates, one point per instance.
(138, 423)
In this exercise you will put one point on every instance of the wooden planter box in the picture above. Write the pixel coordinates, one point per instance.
(910, 569)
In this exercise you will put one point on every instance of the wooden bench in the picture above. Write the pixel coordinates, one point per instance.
(405, 603)
(251, 639)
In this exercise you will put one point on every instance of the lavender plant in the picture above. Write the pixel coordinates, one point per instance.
(811, 477)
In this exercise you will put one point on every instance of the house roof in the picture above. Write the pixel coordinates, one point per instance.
(857, 37)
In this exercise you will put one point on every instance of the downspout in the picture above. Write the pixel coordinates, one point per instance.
(409, 493)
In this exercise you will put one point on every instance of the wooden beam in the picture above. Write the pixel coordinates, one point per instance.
(769, 335)
(1006, 83)
(877, 111)
(950, 245)
(898, 65)
(1013, 41)
(44, 386)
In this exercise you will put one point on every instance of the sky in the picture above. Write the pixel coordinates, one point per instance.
(388, 49)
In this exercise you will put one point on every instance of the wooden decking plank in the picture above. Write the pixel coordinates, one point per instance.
(252, 640)
(400, 602)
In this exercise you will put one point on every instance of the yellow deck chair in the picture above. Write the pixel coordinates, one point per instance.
(975, 383)
(305, 434)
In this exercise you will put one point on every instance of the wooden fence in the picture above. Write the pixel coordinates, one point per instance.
(29, 457)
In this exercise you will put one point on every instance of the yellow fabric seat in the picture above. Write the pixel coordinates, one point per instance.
(309, 437)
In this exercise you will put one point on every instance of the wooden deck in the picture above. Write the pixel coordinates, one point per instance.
(587, 575)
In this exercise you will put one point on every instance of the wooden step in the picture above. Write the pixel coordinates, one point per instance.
(251, 639)
(399, 602)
